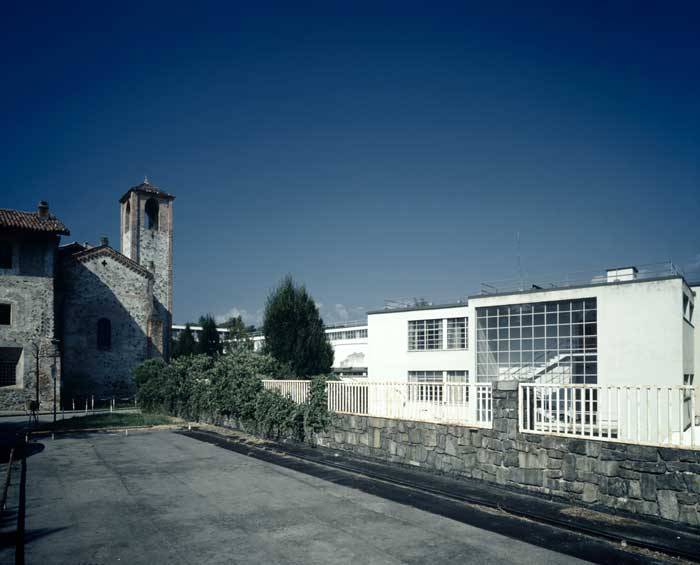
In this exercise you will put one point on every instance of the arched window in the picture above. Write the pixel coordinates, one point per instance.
(104, 334)
(152, 214)
(127, 216)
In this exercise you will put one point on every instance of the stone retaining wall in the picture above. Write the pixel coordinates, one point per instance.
(651, 481)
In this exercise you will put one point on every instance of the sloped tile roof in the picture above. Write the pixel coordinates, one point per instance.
(30, 221)
(107, 251)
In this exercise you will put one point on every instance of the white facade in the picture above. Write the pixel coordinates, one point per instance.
(390, 357)
(639, 332)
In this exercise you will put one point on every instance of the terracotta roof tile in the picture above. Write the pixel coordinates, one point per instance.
(30, 221)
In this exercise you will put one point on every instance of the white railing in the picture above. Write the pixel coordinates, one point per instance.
(298, 391)
(646, 414)
(445, 403)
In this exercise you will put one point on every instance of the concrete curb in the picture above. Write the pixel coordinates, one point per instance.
(156, 428)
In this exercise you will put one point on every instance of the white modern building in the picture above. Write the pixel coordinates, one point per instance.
(626, 327)
(177, 329)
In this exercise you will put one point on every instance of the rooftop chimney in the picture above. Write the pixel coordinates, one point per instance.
(622, 274)
(104, 240)
(43, 209)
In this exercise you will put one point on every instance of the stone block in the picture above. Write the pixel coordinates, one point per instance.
(533, 460)
(692, 480)
(668, 504)
(451, 445)
(469, 461)
(526, 476)
(648, 487)
(608, 468)
(689, 514)
(589, 493)
(670, 481)
(511, 459)
(414, 436)
(642, 453)
(635, 489)
(569, 467)
(649, 508)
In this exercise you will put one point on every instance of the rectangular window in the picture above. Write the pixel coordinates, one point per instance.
(5, 314)
(426, 386)
(5, 254)
(424, 335)
(9, 359)
(456, 333)
(549, 342)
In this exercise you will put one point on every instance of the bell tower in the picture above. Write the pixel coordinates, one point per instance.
(147, 238)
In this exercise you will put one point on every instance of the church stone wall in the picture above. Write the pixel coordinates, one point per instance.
(29, 289)
(102, 287)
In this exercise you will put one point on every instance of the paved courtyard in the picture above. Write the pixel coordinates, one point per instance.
(161, 497)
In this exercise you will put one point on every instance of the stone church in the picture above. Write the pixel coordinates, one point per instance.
(77, 318)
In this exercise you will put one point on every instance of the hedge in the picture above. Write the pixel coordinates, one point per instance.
(203, 388)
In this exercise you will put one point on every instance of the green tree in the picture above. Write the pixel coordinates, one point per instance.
(238, 337)
(294, 332)
(185, 344)
(209, 341)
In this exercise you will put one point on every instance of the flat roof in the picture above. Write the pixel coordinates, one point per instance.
(575, 286)
(412, 308)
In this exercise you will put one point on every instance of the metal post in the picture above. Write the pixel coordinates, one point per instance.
(19, 540)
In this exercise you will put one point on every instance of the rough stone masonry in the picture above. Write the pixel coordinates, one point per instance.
(649, 481)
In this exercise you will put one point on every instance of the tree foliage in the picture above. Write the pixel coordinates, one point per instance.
(238, 335)
(209, 341)
(294, 332)
(200, 387)
(185, 344)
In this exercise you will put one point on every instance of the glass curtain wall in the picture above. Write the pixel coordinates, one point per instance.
(546, 342)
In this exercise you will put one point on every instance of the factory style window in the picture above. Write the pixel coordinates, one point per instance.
(456, 333)
(152, 214)
(9, 358)
(424, 335)
(104, 334)
(5, 314)
(553, 342)
(5, 254)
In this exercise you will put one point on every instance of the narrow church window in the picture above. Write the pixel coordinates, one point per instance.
(152, 214)
(127, 217)
(5, 314)
(104, 334)
(5, 254)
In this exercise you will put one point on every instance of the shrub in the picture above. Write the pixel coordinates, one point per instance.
(201, 387)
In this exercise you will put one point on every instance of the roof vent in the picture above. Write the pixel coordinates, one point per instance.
(622, 274)
(104, 241)
(43, 209)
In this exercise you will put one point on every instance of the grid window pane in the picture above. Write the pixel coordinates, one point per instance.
(456, 333)
(558, 345)
(424, 335)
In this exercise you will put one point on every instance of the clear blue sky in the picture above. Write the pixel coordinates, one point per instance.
(373, 151)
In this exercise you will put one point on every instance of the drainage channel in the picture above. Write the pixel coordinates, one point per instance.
(593, 544)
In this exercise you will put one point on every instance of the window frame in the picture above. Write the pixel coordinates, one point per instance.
(8, 245)
(104, 334)
(9, 315)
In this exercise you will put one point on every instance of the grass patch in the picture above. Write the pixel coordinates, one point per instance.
(113, 420)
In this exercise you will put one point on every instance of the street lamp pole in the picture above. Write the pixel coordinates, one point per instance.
(54, 375)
